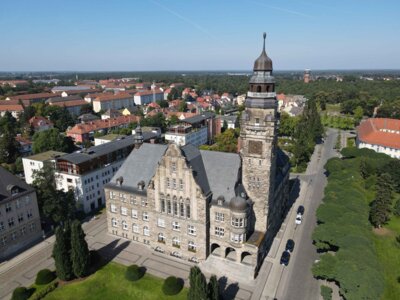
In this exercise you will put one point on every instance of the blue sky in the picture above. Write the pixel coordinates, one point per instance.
(134, 35)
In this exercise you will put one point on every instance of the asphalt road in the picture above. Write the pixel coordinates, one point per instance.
(297, 282)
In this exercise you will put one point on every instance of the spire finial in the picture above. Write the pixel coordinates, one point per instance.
(264, 36)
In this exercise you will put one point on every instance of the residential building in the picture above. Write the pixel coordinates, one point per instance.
(381, 135)
(107, 138)
(74, 106)
(85, 172)
(232, 121)
(15, 110)
(118, 101)
(58, 89)
(111, 113)
(33, 98)
(85, 132)
(25, 145)
(148, 96)
(197, 130)
(205, 206)
(14, 83)
(40, 123)
(19, 215)
(36, 162)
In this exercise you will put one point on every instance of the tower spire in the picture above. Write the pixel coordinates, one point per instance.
(264, 36)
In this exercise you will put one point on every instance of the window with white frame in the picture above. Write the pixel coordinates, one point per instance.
(219, 231)
(124, 225)
(11, 222)
(32, 226)
(124, 211)
(135, 228)
(8, 207)
(112, 195)
(192, 246)
(176, 242)
(161, 237)
(3, 240)
(237, 238)
(237, 222)
(23, 230)
(220, 217)
(133, 200)
(160, 222)
(145, 216)
(134, 213)
(191, 230)
(176, 226)
(144, 201)
(146, 231)
(29, 214)
(114, 222)
(20, 218)
(113, 208)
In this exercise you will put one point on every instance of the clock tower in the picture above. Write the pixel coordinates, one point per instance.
(257, 142)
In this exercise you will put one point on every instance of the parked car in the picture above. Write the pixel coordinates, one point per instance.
(299, 218)
(289, 246)
(285, 258)
(300, 210)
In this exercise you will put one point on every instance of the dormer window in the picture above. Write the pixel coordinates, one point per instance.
(140, 185)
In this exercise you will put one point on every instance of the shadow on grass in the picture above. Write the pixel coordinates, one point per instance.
(99, 258)
(227, 292)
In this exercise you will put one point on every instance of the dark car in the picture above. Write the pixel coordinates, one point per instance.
(289, 245)
(300, 210)
(285, 258)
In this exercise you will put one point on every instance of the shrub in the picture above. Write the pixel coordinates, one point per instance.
(44, 276)
(134, 273)
(20, 293)
(43, 292)
(326, 292)
(172, 286)
(396, 209)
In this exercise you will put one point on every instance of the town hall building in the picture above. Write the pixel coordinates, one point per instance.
(199, 205)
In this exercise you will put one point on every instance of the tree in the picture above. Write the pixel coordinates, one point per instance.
(198, 285)
(60, 117)
(51, 139)
(173, 120)
(381, 206)
(163, 103)
(173, 94)
(287, 124)
(54, 205)
(79, 250)
(182, 106)
(62, 253)
(358, 114)
(224, 126)
(9, 148)
(213, 288)
(86, 109)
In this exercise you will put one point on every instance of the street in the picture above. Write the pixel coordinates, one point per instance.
(274, 281)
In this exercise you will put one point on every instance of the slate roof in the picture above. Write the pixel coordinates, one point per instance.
(140, 165)
(7, 181)
(223, 172)
(199, 118)
(215, 172)
(100, 150)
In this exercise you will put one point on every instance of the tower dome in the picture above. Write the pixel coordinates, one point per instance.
(263, 62)
(238, 204)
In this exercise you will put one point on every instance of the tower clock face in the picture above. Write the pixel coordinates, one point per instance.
(255, 147)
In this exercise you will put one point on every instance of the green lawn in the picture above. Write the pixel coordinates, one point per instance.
(389, 257)
(110, 283)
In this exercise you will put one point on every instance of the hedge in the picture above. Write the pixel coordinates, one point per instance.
(44, 276)
(326, 292)
(43, 292)
(20, 293)
(172, 286)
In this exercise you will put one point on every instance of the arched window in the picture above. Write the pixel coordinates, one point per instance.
(182, 210)
(258, 88)
(114, 222)
(162, 205)
(135, 228)
(124, 225)
(146, 230)
(175, 208)
(192, 246)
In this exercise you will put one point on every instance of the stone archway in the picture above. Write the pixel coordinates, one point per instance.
(246, 258)
(216, 249)
(230, 253)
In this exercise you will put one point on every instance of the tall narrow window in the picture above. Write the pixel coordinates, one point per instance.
(182, 209)
(188, 211)
(175, 208)
(169, 206)
(162, 205)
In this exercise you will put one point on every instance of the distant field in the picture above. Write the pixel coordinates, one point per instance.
(110, 283)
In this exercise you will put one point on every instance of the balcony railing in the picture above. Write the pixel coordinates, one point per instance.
(261, 95)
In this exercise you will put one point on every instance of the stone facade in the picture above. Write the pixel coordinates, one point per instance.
(194, 204)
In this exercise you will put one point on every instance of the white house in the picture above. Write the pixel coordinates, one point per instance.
(146, 97)
(381, 135)
(118, 101)
(36, 162)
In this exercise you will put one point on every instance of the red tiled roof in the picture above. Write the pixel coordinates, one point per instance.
(35, 121)
(110, 97)
(15, 102)
(35, 96)
(154, 105)
(69, 103)
(375, 131)
(11, 108)
(149, 92)
(281, 96)
(100, 124)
